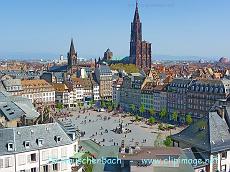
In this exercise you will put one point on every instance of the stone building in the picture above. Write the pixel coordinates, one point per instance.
(104, 79)
(203, 94)
(177, 100)
(131, 91)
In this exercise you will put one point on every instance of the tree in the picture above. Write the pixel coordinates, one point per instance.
(188, 119)
(110, 108)
(142, 109)
(137, 118)
(91, 103)
(59, 106)
(163, 113)
(115, 105)
(103, 104)
(152, 111)
(167, 141)
(175, 116)
(152, 120)
(160, 127)
(132, 106)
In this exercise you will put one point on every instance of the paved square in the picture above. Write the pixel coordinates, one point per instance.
(94, 127)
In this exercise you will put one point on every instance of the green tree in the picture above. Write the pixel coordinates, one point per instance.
(137, 118)
(152, 111)
(103, 104)
(142, 109)
(163, 113)
(161, 126)
(133, 107)
(167, 141)
(110, 108)
(174, 116)
(91, 103)
(188, 119)
(152, 120)
(59, 106)
(115, 105)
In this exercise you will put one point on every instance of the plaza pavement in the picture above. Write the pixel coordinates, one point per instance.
(98, 125)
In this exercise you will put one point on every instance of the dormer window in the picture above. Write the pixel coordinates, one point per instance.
(27, 144)
(40, 142)
(10, 146)
(57, 138)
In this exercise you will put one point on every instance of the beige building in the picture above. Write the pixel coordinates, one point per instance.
(38, 91)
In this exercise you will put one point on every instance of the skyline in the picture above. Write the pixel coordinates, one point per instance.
(172, 26)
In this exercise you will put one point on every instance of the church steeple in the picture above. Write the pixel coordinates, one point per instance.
(136, 16)
(72, 56)
(72, 49)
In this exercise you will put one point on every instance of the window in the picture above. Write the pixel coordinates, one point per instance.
(33, 157)
(57, 138)
(55, 153)
(45, 168)
(10, 146)
(8, 162)
(1, 163)
(21, 159)
(40, 142)
(27, 144)
(55, 167)
(64, 152)
(45, 155)
(33, 170)
(224, 155)
(223, 168)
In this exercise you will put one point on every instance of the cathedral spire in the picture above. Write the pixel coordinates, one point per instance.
(72, 49)
(136, 16)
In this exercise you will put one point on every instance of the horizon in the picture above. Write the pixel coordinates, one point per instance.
(48, 29)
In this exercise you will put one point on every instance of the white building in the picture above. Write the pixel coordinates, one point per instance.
(35, 149)
(117, 90)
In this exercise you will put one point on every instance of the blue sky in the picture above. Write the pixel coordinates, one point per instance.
(174, 27)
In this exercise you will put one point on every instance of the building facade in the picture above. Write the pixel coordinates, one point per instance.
(131, 91)
(203, 94)
(38, 91)
(104, 78)
(177, 100)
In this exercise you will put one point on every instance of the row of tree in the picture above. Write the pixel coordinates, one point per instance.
(163, 114)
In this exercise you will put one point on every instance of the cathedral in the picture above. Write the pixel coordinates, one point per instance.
(140, 51)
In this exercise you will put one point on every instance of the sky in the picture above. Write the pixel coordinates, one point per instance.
(44, 28)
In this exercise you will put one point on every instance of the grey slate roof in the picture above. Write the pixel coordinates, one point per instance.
(210, 134)
(12, 82)
(19, 135)
(14, 107)
(104, 69)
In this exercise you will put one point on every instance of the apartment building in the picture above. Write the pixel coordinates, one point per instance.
(38, 91)
(104, 78)
(61, 94)
(131, 91)
(38, 148)
(203, 94)
(117, 90)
